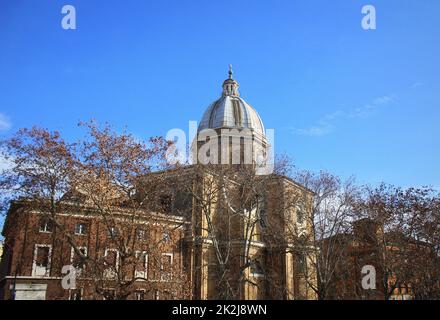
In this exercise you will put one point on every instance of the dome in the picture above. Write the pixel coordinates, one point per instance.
(231, 111)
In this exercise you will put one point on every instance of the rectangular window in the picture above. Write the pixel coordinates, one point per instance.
(80, 228)
(263, 218)
(111, 262)
(112, 232)
(165, 266)
(141, 265)
(41, 263)
(165, 202)
(166, 237)
(256, 268)
(42, 259)
(139, 295)
(46, 225)
(111, 258)
(77, 261)
(140, 234)
(109, 294)
(75, 294)
(301, 263)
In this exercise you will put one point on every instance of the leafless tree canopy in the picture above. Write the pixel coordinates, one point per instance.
(107, 175)
(128, 185)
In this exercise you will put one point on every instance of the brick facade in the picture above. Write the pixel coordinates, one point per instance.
(35, 254)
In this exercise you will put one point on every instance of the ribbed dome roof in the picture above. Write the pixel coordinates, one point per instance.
(231, 111)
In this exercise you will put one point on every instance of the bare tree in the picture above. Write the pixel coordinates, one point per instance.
(108, 176)
(330, 221)
(407, 242)
(225, 200)
(41, 163)
(242, 220)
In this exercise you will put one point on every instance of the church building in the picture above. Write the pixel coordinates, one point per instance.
(227, 226)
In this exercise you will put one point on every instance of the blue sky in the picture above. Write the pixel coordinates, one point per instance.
(339, 97)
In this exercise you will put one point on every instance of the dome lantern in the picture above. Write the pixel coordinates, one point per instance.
(230, 86)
